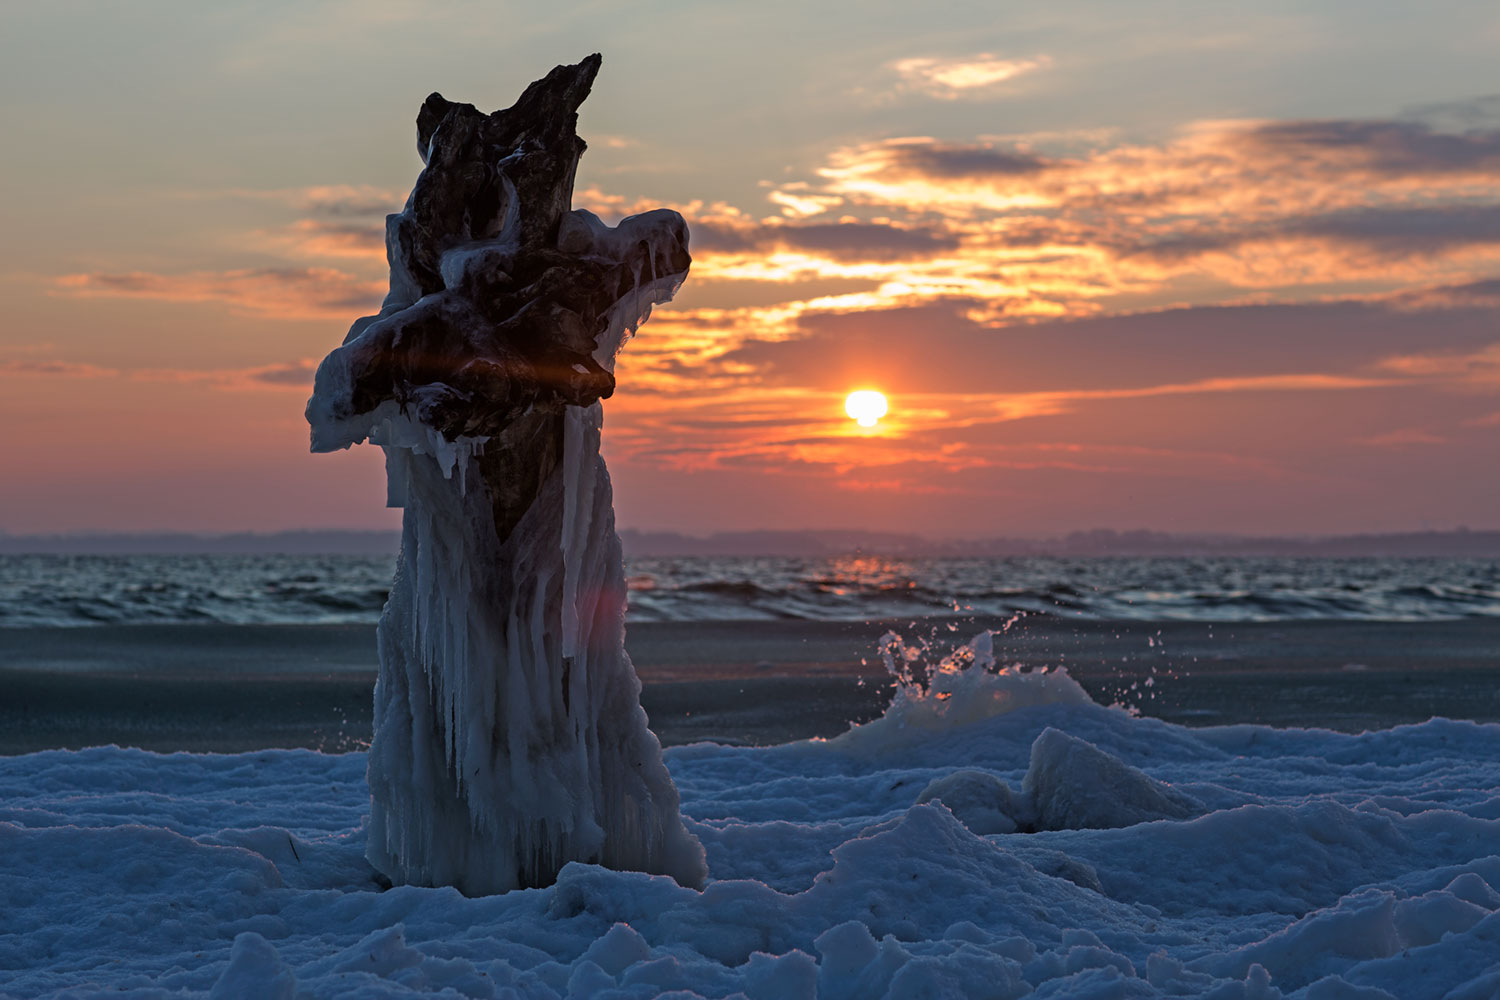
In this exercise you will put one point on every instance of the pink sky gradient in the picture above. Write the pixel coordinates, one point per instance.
(1108, 274)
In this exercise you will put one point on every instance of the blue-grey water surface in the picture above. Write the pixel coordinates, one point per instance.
(91, 590)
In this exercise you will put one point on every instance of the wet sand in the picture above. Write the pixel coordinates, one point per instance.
(234, 688)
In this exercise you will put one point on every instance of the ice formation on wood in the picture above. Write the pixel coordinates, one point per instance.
(509, 736)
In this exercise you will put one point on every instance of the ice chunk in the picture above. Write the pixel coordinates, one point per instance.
(1362, 926)
(1472, 888)
(255, 972)
(1425, 919)
(1073, 785)
(588, 980)
(619, 949)
(981, 801)
(854, 965)
(793, 976)
(382, 953)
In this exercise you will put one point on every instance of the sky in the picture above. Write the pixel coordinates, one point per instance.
(1184, 266)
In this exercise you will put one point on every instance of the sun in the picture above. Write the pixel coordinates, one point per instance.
(866, 407)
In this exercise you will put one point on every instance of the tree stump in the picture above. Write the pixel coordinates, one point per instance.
(509, 736)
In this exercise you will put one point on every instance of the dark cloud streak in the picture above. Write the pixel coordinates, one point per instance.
(1387, 147)
(1393, 232)
(936, 349)
(960, 161)
(840, 240)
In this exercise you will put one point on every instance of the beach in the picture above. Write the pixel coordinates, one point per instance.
(234, 688)
(1016, 839)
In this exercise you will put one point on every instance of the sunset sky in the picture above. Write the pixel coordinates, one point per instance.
(1181, 266)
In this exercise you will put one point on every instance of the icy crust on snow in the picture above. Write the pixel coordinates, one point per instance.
(1311, 865)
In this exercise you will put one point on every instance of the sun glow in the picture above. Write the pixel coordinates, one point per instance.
(866, 407)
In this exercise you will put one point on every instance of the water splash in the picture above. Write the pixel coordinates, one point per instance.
(940, 690)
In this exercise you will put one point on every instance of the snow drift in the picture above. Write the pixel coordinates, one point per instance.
(1308, 864)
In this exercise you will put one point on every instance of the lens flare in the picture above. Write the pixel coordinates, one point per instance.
(866, 407)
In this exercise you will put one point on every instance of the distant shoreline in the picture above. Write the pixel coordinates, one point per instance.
(1457, 543)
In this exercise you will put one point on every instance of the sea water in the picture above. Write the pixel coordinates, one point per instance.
(53, 590)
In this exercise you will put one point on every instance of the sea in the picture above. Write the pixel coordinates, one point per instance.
(76, 590)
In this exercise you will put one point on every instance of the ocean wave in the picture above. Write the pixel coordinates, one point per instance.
(249, 590)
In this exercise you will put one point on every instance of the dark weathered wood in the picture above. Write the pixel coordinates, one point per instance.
(501, 342)
(508, 736)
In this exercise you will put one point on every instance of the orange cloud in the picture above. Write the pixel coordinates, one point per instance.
(1480, 367)
(613, 207)
(1278, 206)
(921, 173)
(1403, 438)
(1008, 237)
(964, 76)
(1471, 295)
(757, 387)
(802, 431)
(1223, 212)
(282, 293)
(796, 205)
(329, 201)
(53, 369)
(320, 239)
(296, 375)
(1276, 209)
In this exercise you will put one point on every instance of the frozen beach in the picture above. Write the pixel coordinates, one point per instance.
(1230, 829)
(928, 502)
(1078, 851)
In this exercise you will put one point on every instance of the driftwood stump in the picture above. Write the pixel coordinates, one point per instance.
(509, 737)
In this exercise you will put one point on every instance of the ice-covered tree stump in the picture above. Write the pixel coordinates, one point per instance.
(509, 736)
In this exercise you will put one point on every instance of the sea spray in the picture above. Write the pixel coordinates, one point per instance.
(964, 686)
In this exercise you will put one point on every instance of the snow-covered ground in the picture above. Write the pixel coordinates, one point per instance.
(992, 836)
